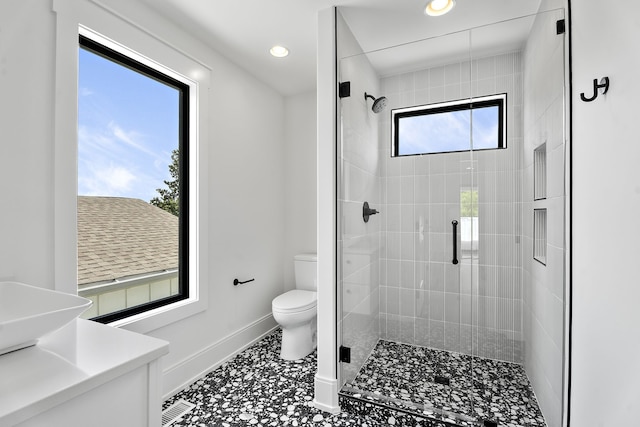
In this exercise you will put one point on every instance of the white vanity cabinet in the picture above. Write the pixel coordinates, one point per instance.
(85, 374)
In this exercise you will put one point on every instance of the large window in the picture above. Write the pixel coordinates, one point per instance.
(132, 184)
(478, 124)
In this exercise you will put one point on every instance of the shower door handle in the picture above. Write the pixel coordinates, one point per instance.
(454, 225)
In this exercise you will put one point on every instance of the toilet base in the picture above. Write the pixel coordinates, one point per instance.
(299, 341)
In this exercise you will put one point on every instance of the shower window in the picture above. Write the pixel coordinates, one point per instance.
(447, 127)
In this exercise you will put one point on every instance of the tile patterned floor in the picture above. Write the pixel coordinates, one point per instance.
(257, 388)
(405, 376)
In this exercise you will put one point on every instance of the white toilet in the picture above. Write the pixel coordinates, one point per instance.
(295, 311)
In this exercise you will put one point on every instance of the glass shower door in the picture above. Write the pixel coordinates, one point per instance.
(405, 319)
(440, 289)
(359, 242)
(516, 298)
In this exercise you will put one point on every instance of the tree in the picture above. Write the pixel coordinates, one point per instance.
(469, 203)
(169, 197)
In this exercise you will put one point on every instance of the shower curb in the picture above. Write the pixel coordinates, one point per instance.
(387, 415)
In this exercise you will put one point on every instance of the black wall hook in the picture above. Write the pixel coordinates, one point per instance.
(604, 84)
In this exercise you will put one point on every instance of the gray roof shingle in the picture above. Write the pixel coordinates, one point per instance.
(120, 237)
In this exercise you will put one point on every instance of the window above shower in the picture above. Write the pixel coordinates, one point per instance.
(448, 127)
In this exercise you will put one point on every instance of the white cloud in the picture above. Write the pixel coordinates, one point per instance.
(85, 91)
(436, 133)
(134, 139)
(107, 181)
(131, 137)
(118, 178)
(115, 162)
(93, 142)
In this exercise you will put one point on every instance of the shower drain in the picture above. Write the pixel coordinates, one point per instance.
(439, 379)
(175, 411)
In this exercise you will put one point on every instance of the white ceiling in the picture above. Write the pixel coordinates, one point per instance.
(244, 30)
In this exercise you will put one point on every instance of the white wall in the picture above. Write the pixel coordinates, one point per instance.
(243, 227)
(300, 214)
(26, 141)
(326, 378)
(606, 205)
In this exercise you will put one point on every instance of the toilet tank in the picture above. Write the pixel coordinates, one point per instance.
(306, 272)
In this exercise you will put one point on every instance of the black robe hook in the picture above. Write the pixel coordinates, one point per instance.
(604, 84)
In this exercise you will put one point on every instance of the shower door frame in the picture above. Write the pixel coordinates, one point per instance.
(566, 224)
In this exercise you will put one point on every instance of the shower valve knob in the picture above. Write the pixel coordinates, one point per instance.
(367, 211)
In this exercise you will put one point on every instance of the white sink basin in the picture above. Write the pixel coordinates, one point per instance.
(28, 313)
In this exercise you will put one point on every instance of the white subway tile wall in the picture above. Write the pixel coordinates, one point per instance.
(425, 299)
(543, 300)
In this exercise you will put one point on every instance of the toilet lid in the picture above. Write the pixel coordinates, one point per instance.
(295, 300)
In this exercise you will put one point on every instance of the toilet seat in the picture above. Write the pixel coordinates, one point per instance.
(295, 301)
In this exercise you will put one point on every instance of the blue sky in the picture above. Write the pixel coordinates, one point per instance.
(127, 128)
(437, 133)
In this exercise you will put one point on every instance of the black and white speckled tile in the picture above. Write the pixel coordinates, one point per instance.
(404, 376)
(257, 388)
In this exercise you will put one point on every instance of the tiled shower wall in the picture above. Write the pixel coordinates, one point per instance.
(422, 299)
(543, 299)
(358, 242)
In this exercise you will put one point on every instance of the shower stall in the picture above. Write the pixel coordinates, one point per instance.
(451, 294)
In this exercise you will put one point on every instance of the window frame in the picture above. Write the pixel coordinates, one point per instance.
(121, 58)
(133, 27)
(499, 100)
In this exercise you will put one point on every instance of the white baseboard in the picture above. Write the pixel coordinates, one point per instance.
(175, 378)
(326, 394)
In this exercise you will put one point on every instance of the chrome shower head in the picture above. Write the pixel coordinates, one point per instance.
(378, 103)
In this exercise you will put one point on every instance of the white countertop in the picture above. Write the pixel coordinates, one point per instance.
(67, 363)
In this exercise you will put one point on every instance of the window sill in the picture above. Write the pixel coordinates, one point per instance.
(161, 316)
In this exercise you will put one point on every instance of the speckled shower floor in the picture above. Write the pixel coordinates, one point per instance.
(410, 378)
(257, 388)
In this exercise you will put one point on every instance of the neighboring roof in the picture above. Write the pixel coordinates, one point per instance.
(120, 237)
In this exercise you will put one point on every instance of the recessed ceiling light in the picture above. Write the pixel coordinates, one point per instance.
(279, 51)
(439, 7)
